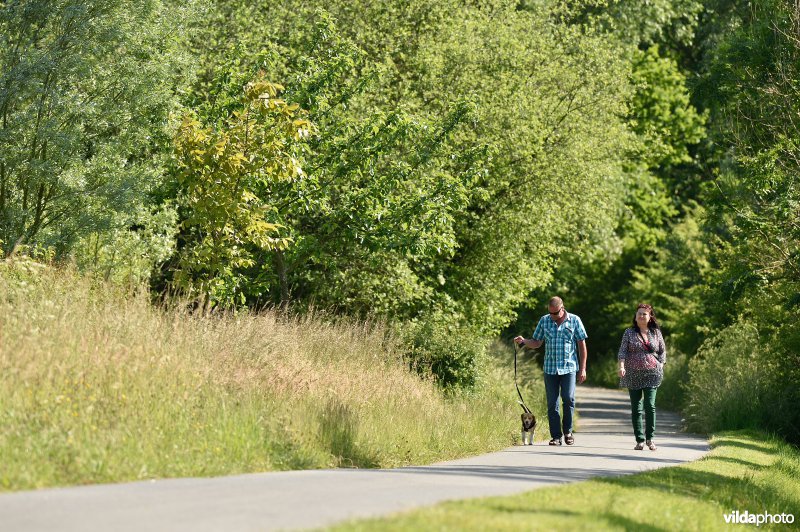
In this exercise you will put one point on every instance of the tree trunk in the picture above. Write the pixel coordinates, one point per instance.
(284, 283)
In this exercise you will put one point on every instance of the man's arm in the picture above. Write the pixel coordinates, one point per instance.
(582, 360)
(531, 343)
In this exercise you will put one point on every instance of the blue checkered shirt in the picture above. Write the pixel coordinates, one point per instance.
(560, 343)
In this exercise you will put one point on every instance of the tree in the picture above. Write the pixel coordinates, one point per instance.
(661, 112)
(732, 290)
(85, 91)
(668, 23)
(537, 92)
(442, 182)
(666, 127)
(226, 175)
(755, 107)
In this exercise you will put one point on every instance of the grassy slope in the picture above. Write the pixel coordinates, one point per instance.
(744, 471)
(98, 386)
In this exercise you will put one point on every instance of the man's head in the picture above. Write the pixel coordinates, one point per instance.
(555, 307)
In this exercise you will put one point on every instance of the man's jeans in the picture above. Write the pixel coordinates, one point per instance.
(565, 384)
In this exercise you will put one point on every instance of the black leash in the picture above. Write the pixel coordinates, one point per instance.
(521, 400)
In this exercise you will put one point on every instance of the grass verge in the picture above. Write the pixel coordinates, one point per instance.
(97, 385)
(744, 471)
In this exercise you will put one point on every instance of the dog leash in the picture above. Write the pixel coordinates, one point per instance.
(521, 400)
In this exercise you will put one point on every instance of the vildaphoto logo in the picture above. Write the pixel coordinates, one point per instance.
(746, 518)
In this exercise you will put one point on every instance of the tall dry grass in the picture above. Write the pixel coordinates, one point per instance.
(98, 385)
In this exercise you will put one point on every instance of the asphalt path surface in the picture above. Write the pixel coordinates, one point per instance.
(317, 498)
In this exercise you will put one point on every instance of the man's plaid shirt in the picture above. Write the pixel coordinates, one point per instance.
(560, 347)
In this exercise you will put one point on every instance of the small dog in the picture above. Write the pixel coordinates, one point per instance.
(528, 427)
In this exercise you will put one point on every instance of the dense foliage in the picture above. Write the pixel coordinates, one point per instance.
(754, 225)
(445, 165)
(725, 275)
(85, 92)
(441, 184)
(225, 175)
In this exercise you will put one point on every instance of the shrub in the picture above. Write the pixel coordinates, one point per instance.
(450, 352)
(737, 380)
(672, 392)
(603, 372)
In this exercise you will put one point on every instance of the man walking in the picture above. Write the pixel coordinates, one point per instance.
(564, 356)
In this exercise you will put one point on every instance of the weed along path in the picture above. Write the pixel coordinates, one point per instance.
(316, 498)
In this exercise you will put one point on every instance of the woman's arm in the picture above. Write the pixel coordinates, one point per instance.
(661, 353)
(623, 352)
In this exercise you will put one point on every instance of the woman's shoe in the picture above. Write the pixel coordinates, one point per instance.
(555, 441)
(639, 446)
(569, 439)
(651, 445)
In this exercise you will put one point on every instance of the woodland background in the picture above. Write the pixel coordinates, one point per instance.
(439, 166)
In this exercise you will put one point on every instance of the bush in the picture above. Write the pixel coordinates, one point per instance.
(603, 372)
(737, 380)
(726, 381)
(672, 392)
(450, 352)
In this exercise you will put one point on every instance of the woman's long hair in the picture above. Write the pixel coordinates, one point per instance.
(653, 323)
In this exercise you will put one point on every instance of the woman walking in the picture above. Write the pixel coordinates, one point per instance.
(642, 356)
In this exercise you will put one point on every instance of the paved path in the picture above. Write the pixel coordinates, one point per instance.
(304, 499)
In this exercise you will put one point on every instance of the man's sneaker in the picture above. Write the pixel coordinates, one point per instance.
(569, 439)
(555, 441)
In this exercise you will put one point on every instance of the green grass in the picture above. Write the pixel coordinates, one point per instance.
(744, 471)
(97, 385)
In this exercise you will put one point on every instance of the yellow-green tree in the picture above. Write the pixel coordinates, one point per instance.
(225, 174)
